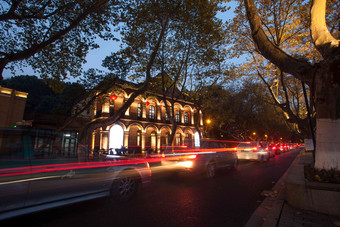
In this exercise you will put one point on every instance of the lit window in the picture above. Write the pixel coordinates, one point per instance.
(186, 117)
(153, 140)
(177, 116)
(139, 110)
(152, 112)
(138, 138)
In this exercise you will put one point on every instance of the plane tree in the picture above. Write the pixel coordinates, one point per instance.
(152, 31)
(192, 40)
(237, 112)
(284, 24)
(53, 37)
(323, 76)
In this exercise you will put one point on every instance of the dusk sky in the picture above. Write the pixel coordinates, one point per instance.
(96, 56)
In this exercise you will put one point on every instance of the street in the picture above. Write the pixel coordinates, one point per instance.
(227, 200)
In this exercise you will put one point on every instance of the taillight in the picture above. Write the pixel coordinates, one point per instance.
(194, 156)
(266, 149)
(255, 149)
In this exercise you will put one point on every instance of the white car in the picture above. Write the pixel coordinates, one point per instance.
(253, 150)
(36, 179)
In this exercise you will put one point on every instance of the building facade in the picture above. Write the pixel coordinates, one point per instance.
(12, 104)
(145, 125)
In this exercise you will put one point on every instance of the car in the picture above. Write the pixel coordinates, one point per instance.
(36, 174)
(210, 157)
(274, 149)
(253, 150)
(282, 147)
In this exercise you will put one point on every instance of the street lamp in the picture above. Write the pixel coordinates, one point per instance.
(207, 127)
(253, 137)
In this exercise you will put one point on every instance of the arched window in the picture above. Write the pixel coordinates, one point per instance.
(151, 112)
(178, 139)
(138, 138)
(186, 117)
(197, 139)
(116, 136)
(153, 140)
(139, 110)
(177, 116)
(167, 116)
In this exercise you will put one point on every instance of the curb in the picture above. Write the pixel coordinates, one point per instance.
(269, 211)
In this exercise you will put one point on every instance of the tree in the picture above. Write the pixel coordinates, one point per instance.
(323, 77)
(282, 23)
(41, 98)
(53, 37)
(236, 113)
(190, 46)
(135, 20)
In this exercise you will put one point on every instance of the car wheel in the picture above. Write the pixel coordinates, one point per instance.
(124, 187)
(211, 170)
(235, 165)
(262, 158)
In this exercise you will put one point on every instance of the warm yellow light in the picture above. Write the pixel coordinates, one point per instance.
(254, 133)
(208, 121)
(186, 164)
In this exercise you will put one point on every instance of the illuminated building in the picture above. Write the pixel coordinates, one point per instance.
(12, 104)
(145, 125)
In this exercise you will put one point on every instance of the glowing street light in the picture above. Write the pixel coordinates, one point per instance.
(208, 121)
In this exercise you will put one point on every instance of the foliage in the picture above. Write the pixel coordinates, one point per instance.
(327, 176)
(236, 113)
(53, 37)
(284, 23)
(193, 37)
(190, 46)
(41, 98)
(322, 76)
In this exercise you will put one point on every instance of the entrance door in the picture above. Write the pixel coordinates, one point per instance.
(116, 137)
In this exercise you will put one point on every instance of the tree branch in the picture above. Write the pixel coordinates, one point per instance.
(322, 38)
(273, 53)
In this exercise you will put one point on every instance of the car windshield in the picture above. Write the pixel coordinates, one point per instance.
(247, 145)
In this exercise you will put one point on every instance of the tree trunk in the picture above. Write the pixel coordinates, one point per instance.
(327, 144)
(327, 103)
(324, 78)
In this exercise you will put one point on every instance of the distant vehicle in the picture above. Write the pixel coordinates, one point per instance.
(36, 173)
(283, 147)
(253, 150)
(274, 149)
(211, 156)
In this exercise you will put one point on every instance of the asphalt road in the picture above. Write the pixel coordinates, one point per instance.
(227, 200)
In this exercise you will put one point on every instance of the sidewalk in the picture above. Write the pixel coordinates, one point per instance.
(274, 211)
